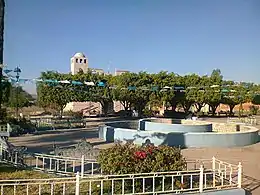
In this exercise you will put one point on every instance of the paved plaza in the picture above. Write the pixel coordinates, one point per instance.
(249, 156)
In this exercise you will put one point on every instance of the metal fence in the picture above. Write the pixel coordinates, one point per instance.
(244, 120)
(52, 164)
(142, 183)
(50, 123)
(84, 176)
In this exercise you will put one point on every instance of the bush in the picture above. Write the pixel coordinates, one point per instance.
(129, 158)
(147, 113)
(3, 115)
(21, 126)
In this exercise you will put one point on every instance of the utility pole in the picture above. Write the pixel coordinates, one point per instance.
(2, 13)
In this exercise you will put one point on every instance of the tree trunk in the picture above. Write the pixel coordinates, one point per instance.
(174, 106)
(125, 104)
(231, 107)
(105, 106)
(240, 110)
(214, 108)
(199, 107)
(186, 106)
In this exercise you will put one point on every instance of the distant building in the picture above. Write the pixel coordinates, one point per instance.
(78, 62)
(119, 72)
(97, 70)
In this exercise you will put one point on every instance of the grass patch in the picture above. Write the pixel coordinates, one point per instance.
(11, 172)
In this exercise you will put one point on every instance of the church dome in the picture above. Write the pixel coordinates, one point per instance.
(79, 55)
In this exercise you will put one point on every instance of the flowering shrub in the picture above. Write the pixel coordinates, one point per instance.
(129, 158)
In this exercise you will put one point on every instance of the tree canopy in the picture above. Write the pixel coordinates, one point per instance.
(142, 90)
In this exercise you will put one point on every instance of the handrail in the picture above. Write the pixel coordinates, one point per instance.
(61, 157)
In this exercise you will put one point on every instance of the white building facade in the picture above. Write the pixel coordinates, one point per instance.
(79, 62)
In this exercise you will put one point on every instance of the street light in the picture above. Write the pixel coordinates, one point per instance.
(17, 70)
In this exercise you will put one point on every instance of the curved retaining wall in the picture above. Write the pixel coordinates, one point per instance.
(155, 126)
(112, 132)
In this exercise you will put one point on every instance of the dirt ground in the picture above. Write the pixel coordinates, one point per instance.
(249, 156)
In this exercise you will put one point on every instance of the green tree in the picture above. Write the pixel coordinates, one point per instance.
(235, 95)
(54, 95)
(6, 88)
(143, 83)
(213, 90)
(256, 99)
(192, 94)
(121, 92)
(19, 98)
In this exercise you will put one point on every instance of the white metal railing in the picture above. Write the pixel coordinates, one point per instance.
(141, 183)
(39, 186)
(243, 120)
(65, 165)
(50, 163)
(201, 175)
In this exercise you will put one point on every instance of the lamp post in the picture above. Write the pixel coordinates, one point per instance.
(17, 70)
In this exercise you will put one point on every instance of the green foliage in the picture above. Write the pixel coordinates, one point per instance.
(19, 98)
(129, 158)
(235, 96)
(253, 109)
(199, 91)
(6, 87)
(256, 100)
(22, 126)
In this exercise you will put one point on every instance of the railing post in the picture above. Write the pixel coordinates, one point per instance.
(201, 179)
(8, 129)
(214, 170)
(77, 184)
(239, 175)
(1, 151)
(82, 165)
(16, 158)
(36, 162)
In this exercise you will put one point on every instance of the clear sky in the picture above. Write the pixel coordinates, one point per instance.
(183, 36)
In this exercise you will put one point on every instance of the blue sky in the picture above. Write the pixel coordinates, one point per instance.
(182, 36)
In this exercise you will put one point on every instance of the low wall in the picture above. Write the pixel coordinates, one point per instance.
(236, 139)
(160, 136)
(216, 127)
(124, 124)
(165, 127)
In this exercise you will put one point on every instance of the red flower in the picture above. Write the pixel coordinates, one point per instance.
(150, 150)
(140, 154)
